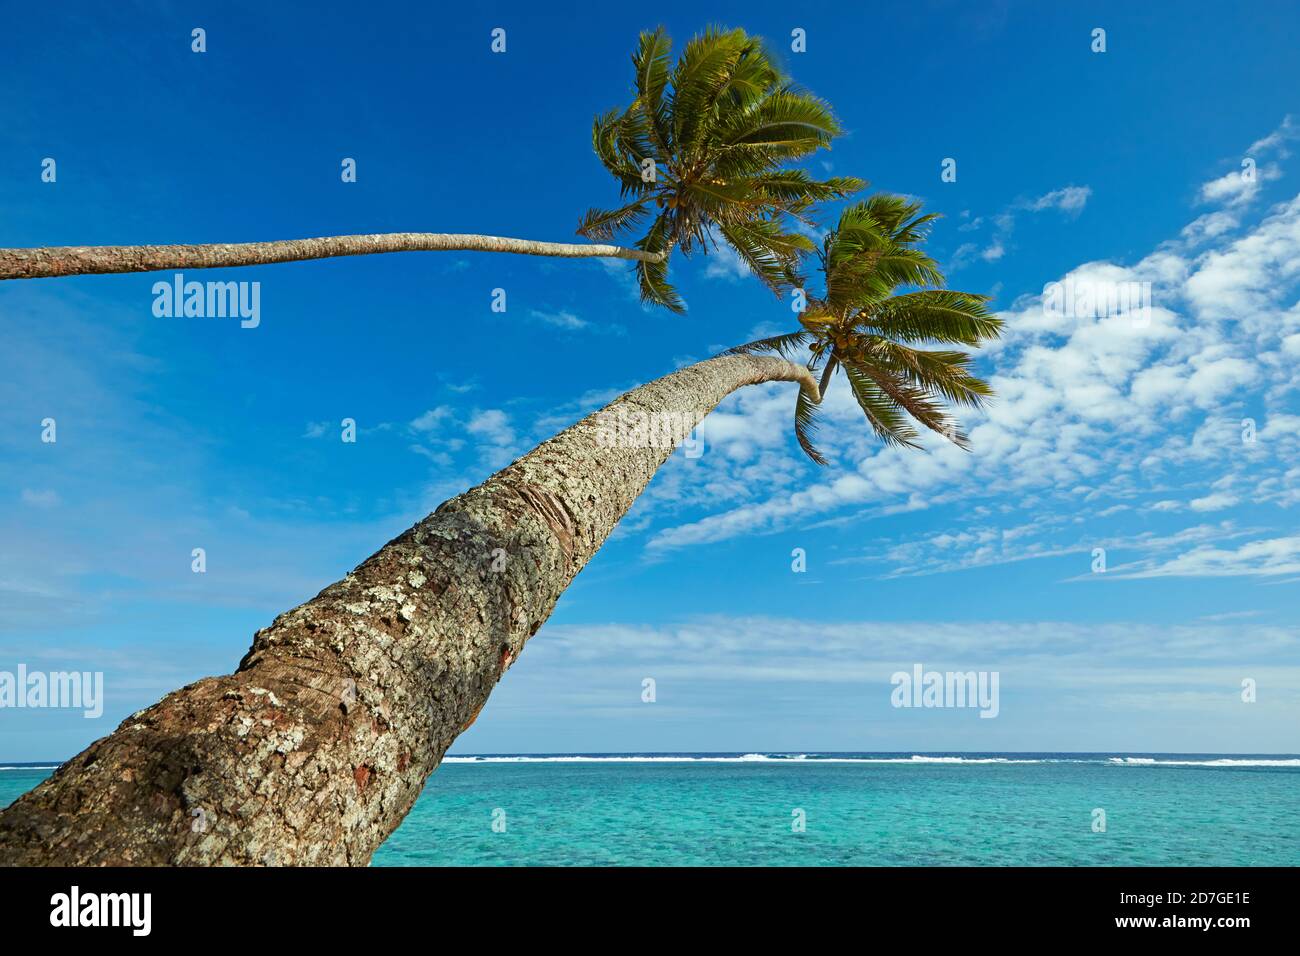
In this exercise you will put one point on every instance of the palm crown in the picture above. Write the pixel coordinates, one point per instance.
(862, 327)
(701, 148)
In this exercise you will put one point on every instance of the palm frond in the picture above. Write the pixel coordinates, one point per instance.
(944, 372)
(699, 80)
(788, 345)
(790, 186)
(885, 416)
(917, 402)
(609, 139)
(603, 223)
(805, 426)
(753, 77)
(938, 315)
(770, 252)
(788, 120)
(653, 276)
(650, 64)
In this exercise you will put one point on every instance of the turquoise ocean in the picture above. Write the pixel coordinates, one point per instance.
(873, 809)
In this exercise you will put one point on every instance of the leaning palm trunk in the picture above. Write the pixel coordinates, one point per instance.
(95, 260)
(314, 750)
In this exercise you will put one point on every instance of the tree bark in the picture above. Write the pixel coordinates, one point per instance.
(314, 750)
(55, 261)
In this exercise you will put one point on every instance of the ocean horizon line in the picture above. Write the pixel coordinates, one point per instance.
(792, 755)
(954, 757)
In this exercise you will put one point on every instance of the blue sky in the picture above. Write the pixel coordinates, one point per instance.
(183, 433)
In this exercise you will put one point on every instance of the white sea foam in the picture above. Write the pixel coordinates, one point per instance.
(743, 758)
(923, 759)
(791, 758)
(777, 759)
(1217, 762)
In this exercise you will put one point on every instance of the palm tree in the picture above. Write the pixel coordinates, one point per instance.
(718, 128)
(701, 148)
(863, 327)
(317, 746)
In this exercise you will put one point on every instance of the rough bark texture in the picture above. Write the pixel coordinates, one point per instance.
(314, 750)
(93, 260)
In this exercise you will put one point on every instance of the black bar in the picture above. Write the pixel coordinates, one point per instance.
(266, 907)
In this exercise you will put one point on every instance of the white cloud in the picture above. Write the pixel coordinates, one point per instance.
(1210, 226)
(1276, 140)
(1070, 199)
(1240, 186)
(44, 498)
(560, 319)
(1047, 655)
(1232, 188)
(1048, 536)
(1252, 273)
(495, 435)
(491, 425)
(1215, 502)
(430, 420)
(1267, 557)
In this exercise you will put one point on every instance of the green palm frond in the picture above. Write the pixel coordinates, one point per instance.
(621, 142)
(919, 403)
(653, 276)
(805, 426)
(865, 260)
(788, 346)
(770, 253)
(700, 79)
(900, 218)
(650, 65)
(793, 186)
(946, 373)
(938, 315)
(787, 120)
(886, 417)
(722, 201)
(603, 223)
(754, 76)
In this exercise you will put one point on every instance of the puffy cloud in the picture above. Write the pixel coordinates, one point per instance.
(491, 425)
(1266, 557)
(1238, 187)
(1071, 199)
(428, 421)
(1213, 502)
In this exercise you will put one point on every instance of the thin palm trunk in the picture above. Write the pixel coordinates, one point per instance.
(827, 372)
(55, 261)
(314, 750)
